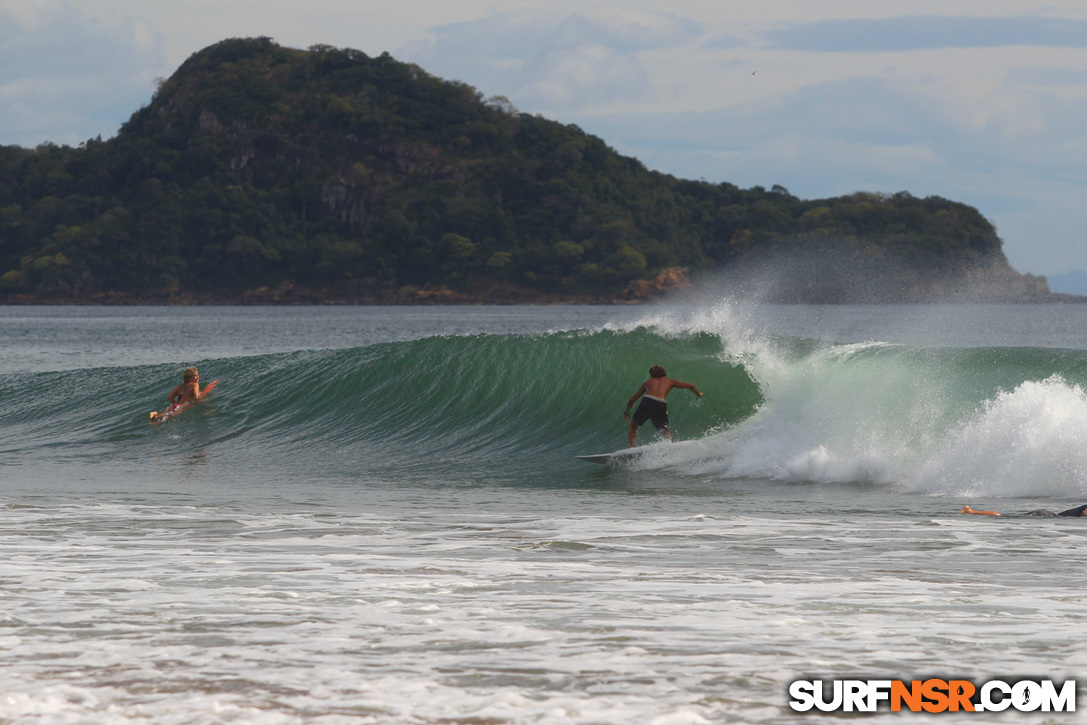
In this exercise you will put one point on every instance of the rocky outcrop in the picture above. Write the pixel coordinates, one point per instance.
(670, 280)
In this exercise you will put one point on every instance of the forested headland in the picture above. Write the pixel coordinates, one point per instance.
(267, 174)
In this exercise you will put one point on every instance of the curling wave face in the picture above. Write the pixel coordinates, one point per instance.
(1000, 421)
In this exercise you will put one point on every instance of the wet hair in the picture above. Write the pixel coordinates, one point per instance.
(656, 371)
(189, 373)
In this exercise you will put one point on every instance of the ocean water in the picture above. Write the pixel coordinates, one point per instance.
(378, 517)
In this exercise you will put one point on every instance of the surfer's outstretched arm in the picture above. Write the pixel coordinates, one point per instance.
(686, 386)
(207, 389)
(968, 510)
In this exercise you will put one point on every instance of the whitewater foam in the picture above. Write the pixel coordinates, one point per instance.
(1031, 441)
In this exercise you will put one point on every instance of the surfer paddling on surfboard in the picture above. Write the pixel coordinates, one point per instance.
(185, 394)
(653, 406)
(1044, 513)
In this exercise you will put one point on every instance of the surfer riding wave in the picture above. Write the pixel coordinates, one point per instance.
(654, 405)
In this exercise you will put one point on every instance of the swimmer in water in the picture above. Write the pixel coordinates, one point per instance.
(968, 510)
(1044, 513)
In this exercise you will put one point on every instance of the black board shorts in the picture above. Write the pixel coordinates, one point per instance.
(654, 410)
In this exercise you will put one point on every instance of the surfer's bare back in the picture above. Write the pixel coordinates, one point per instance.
(654, 406)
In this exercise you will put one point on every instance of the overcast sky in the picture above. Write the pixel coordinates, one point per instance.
(980, 101)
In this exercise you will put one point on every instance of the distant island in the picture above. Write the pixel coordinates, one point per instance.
(263, 174)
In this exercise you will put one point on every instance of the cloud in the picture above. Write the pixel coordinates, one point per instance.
(928, 32)
(552, 63)
(1048, 76)
(860, 133)
(66, 77)
(724, 42)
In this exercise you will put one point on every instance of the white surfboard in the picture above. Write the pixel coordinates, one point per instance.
(608, 459)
